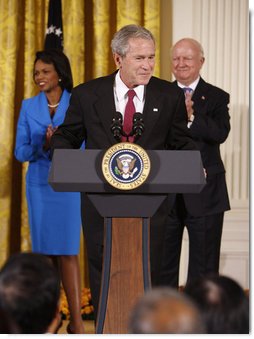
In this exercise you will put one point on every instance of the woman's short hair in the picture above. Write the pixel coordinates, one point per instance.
(61, 63)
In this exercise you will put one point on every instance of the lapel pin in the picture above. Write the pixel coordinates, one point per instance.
(203, 98)
(155, 109)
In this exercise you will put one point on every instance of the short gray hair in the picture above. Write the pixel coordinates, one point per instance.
(194, 42)
(165, 310)
(120, 41)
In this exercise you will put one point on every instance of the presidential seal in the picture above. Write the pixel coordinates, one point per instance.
(126, 166)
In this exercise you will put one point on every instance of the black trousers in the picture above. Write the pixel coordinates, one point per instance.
(204, 244)
(93, 227)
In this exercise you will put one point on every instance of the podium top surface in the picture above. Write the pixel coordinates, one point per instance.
(171, 172)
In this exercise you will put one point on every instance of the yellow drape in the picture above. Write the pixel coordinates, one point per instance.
(88, 29)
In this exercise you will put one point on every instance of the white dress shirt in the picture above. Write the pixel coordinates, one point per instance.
(120, 96)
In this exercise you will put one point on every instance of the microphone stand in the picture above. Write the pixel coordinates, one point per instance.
(117, 127)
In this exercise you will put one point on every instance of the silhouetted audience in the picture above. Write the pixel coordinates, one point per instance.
(30, 293)
(165, 310)
(223, 303)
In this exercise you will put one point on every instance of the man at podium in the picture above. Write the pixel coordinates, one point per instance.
(93, 107)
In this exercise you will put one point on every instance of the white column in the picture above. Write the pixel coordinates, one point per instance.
(222, 27)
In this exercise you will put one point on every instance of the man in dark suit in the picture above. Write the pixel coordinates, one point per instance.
(202, 214)
(89, 117)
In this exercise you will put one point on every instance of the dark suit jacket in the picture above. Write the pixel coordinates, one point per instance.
(92, 108)
(89, 118)
(209, 130)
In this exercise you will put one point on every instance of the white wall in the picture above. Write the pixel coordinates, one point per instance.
(222, 27)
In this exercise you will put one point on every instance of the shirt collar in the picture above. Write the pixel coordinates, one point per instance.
(121, 89)
(193, 85)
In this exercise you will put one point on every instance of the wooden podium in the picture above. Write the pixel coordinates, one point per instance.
(126, 261)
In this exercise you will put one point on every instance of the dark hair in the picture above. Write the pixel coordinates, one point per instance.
(7, 325)
(30, 291)
(61, 64)
(223, 304)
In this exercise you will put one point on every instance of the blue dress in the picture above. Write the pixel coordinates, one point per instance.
(54, 217)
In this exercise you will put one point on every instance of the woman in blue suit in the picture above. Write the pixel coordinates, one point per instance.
(54, 217)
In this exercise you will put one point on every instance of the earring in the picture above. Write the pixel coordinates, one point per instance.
(60, 80)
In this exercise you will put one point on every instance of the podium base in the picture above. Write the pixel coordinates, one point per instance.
(126, 271)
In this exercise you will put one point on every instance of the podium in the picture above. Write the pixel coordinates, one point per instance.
(126, 259)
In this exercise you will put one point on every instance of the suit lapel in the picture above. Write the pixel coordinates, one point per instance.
(152, 110)
(105, 104)
(61, 109)
(200, 96)
(42, 115)
(39, 110)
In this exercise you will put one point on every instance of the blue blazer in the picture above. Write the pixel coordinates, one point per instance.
(31, 129)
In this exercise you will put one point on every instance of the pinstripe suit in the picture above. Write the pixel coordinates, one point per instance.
(201, 213)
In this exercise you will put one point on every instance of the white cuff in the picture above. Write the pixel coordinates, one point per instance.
(190, 120)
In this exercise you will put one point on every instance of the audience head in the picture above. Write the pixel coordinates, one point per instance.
(30, 292)
(223, 304)
(61, 65)
(165, 310)
(187, 59)
(7, 325)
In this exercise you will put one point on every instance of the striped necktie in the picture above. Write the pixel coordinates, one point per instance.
(187, 90)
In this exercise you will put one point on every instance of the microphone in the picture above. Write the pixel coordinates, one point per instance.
(117, 126)
(138, 125)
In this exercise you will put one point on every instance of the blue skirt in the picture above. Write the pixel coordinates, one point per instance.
(55, 220)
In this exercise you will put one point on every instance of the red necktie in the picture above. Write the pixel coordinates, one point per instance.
(128, 114)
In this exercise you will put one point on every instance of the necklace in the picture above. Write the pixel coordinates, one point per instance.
(53, 106)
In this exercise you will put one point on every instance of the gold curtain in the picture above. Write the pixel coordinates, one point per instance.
(88, 29)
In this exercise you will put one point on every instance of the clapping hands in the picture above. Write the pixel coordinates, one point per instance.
(49, 132)
(189, 104)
